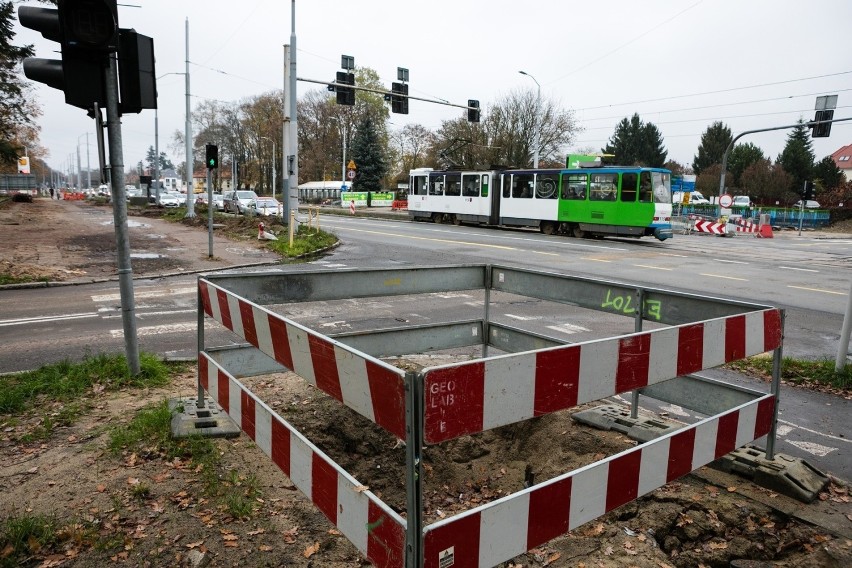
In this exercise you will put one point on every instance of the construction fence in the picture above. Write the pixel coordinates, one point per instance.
(521, 374)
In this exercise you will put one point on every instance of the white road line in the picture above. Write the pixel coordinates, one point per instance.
(823, 434)
(138, 295)
(800, 269)
(817, 290)
(166, 313)
(522, 318)
(157, 330)
(595, 259)
(46, 319)
(652, 267)
(812, 448)
(672, 254)
(725, 277)
(567, 328)
(729, 261)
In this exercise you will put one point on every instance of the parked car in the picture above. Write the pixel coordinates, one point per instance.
(238, 201)
(169, 199)
(809, 204)
(742, 201)
(267, 206)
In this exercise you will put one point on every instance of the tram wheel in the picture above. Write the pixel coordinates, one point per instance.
(578, 232)
(437, 218)
(456, 220)
(548, 228)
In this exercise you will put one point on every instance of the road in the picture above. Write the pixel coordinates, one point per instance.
(808, 277)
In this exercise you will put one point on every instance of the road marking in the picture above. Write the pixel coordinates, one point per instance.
(546, 253)
(567, 328)
(818, 290)
(46, 319)
(801, 269)
(812, 448)
(672, 254)
(675, 410)
(595, 259)
(653, 267)
(522, 318)
(725, 277)
(159, 293)
(157, 330)
(166, 313)
(823, 434)
(729, 261)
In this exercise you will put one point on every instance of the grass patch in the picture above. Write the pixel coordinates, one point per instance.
(26, 536)
(6, 278)
(798, 371)
(64, 381)
(305, 241)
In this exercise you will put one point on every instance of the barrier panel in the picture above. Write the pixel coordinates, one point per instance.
(534, 374)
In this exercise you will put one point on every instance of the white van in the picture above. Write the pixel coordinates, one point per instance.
(742, 201)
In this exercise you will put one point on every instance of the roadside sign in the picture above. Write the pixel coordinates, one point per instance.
(350, 174)
(350, 165)
(343, 187)
(726, 200)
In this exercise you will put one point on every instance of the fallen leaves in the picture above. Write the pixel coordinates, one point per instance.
(311, 550)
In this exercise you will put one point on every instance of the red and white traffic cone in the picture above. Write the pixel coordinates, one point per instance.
(352, 207)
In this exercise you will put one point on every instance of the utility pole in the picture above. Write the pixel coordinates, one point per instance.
(190, 195)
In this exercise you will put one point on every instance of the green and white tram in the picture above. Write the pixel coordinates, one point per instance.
(582, 202)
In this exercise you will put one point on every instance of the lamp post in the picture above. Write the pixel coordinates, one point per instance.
(537, 119)
(273, 164)
(343, 158)
(88, 164)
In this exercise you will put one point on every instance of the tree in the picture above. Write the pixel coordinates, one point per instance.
(714, 142)
(797, 158)
(151, 160)
(677, 168)
(368, 153)
(741, 157)
(636, 143)
(707, 182)
(17, 110)
(766, 183)
(410, 145)
(827, 174)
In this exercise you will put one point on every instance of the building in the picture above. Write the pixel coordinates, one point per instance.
(843, 160)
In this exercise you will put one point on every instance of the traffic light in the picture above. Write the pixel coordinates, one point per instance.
(137, 80)
(345, 95)
(822, 130)
(472, 110)
(87, 31)
(211, 158)
(809, 191)
(399, 98)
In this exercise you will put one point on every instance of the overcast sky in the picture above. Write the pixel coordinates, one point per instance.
(680, 64)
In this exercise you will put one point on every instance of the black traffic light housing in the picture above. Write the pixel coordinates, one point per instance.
(211, 156)
(822, 129)
(809, 191)
(399, 98)
(345, 95)
(472, 110)
(137, 79)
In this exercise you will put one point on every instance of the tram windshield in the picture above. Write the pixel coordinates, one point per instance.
(662, 183)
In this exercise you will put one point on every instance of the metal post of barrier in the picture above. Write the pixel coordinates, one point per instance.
(637, 327)
(200, 325)
(486, 332)
(414, 401)
(777, 358)
(292, 223)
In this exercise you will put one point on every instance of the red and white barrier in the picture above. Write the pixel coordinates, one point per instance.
(503, 529)
(373, 527)
(709, 227)
(370, 387)
(468, 398)
(352, 207)
(746, 226)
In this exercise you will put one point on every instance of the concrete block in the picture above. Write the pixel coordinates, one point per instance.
(617, 417)
(210, 421)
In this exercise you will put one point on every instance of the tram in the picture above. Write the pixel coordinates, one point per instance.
(583, 201)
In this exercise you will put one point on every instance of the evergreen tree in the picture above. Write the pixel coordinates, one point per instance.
(16, 113)
(714, 142)
(368, 153)
(636, 143)
(165, 163)
(828, 174)
(797, 158)
(741, 157)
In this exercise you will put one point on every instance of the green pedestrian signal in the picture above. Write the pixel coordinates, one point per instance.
(212, 156)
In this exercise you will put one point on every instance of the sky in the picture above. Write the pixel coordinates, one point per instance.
(680, 64)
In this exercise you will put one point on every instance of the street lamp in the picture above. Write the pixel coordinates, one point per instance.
(157, 144)
(537, 119)
(343, 159)
(273, 164)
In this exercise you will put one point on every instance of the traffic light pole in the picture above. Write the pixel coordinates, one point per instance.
(119, 213)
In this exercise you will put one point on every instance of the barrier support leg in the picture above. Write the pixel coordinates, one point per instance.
(777, 356)
(200, 334)
(637, 326)
(413, 470)
(486, 332)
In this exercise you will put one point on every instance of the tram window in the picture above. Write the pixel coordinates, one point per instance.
(506, 181)
(484, 186)
(574, 186)
(547, 186)
(453, 185)
(522, 186)
(628, 186)
(419, 185)
(470, 185)
(603, 187)
(436, 185)
(646, 194)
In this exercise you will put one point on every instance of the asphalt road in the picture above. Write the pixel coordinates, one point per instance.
(808, 277)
